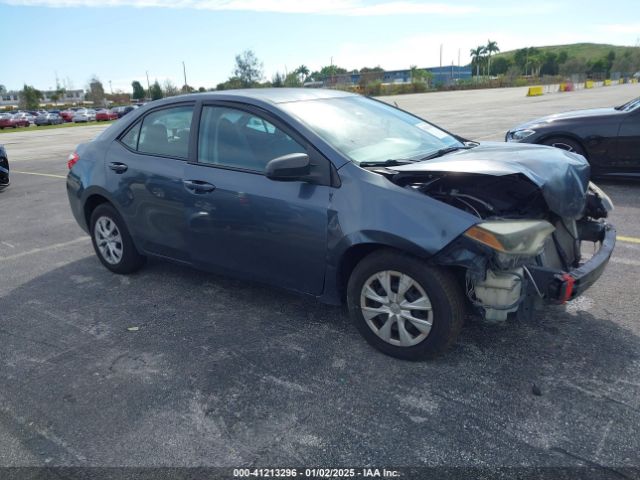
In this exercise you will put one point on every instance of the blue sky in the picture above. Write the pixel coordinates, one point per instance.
(120, 40)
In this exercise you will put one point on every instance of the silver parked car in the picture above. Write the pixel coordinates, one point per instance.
(84, 115)
(48, 119)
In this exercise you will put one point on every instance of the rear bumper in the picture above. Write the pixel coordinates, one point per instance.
(559, 286)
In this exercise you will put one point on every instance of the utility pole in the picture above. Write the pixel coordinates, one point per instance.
(148, 86)
(184, 70)
(110, 87)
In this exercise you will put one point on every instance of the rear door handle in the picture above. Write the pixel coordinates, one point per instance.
(198, 186)
(118, 167)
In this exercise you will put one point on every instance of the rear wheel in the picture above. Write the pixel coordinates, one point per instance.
(405, 307)
(112, 242)
(567, 144)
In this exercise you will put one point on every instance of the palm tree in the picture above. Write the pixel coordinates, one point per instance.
(303, 72)
(477, 54)
(492, 47)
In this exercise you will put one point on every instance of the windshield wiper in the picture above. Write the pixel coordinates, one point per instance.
(392, 162)
(444, 151)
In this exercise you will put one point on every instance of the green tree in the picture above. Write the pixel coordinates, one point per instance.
(170, 90)
(490, 48)
(248, 69)
(302, 72)
(138, 90)
(277, 80)
(292, 80)
(96, 91)
(187, 89)
(477, 55)
(58, 93)
(573, 66)
(563, 56)
(501, 65)
(29, 98)
(327, 71)
(202, 89)
(3, 90)
(155, 92)
(549, 64)
(420, 78)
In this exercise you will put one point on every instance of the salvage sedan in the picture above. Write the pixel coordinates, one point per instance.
(345, 199)
(609, 138)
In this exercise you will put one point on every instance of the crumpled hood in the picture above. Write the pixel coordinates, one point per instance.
(594, 112)
(562, 176)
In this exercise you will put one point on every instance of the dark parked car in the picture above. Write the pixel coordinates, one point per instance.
(609, 138)
(48, 119)
(345, 199)
(4, 168)
(122, 111)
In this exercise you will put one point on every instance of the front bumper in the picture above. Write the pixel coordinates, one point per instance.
(559, 286)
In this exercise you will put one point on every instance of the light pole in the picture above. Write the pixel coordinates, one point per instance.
(148, 86)
(184, 70)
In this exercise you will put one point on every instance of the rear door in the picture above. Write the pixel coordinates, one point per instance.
(240, 221)
(144, 170)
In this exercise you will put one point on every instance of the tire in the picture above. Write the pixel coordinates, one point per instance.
(103, 220)
(565, 143)
(443, 296)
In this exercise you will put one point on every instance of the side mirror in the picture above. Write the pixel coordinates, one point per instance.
(291, 167)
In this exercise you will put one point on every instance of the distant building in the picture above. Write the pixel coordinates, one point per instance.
(440, 75)
(11, 99)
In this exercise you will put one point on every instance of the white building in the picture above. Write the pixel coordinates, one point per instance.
(11, 99)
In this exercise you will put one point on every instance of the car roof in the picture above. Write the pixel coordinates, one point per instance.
(270, 95)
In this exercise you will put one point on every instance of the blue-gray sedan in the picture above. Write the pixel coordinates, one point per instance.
(345, 199)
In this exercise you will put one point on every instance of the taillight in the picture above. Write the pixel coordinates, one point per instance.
(72, 159)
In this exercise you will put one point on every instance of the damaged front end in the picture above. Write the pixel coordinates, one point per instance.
(535, 211)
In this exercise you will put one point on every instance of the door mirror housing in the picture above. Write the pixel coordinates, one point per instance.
(288, 168)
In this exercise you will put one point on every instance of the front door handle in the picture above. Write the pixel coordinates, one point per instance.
(118, 167)
(198, 186)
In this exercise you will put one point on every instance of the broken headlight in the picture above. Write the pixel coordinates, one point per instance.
(512, 237)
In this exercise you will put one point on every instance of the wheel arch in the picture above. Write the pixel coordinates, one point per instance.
(356, 252)
(568, 135)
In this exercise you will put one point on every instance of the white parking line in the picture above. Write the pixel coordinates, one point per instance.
(39, 174)
(44, 249)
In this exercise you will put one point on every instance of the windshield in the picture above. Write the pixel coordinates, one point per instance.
(368, 131)
(632, 105)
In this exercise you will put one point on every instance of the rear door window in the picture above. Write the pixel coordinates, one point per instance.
(163, 132)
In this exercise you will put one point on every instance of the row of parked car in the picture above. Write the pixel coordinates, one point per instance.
(56, 117)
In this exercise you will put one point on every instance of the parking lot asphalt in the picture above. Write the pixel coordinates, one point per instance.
(220, 372)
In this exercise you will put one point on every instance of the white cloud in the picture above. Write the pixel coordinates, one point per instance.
(325, 7)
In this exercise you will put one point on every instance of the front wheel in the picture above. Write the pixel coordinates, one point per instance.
(405, 307)
(112, 242)
(567, 144)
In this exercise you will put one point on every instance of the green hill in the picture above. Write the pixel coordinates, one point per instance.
(585, 51)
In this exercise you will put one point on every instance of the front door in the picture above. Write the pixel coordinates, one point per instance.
(243, 223)
(628, 157)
